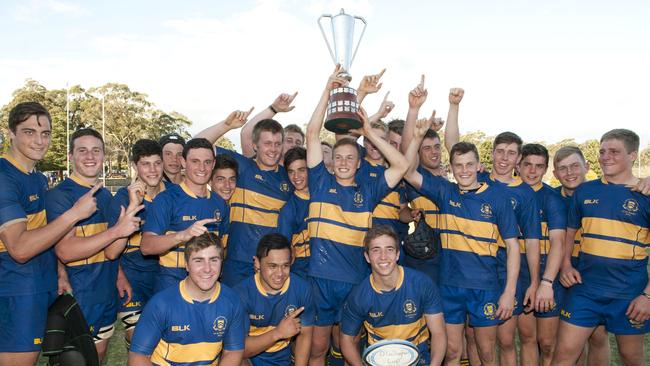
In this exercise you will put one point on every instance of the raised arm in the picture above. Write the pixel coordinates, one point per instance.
(153, 244)
(452, 134)
(314, 152)
(234, 120)
(385, 108)
(417, 97)
(281, 104)
(369, 85)
(420, 128)
(397, 161)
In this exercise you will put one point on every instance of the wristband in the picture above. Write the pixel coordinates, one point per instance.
(647, 295)
(547, 280)
(273, 109)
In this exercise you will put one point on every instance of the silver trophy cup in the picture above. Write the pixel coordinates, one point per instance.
(343, 106)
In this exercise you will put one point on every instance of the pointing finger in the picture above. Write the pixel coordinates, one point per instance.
(381, 73)
(296, 312)
(421, 81)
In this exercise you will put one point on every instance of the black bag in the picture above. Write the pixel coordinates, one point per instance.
(68, 341)
(423, 242)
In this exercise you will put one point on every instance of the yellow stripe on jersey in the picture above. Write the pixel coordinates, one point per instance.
(453, 237)
(300, 245)
(165, 353)
(462, 243)
(417, 331)
(86, 231)
(36, 220)
(336, 230)
(423, 203)
(134, 242)
(612, 249)
(336, 233)
(614, 228)
(277, 346)
(545, 244)
(390, 210)
(254, 200)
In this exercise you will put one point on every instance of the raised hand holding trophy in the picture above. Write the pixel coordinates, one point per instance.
(342, 107)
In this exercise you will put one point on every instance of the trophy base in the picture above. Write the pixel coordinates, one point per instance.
(342, 125)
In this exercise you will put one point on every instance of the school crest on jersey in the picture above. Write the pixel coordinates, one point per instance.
(290, 309)
(219, 325)
(513, 202)
(358, 199)
(490, 310)
(409, 308)
(217, 215)
(486, 210)
(284, 187)
(630, 207)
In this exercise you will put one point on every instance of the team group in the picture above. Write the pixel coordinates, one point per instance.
(283, 255)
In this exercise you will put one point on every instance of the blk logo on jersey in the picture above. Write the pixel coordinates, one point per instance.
(590, 202)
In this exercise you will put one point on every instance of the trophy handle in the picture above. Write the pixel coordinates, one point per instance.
(360, 37)
(327, 42)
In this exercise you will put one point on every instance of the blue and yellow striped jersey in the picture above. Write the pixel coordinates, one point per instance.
(387, 211)
(470, 224)
(177, 208)
(95, 276)
(395, 314)
(255, 205)
(132, 257)
(552, 214)
(575, 254)
(339, 217)
(22, 199)
(615, 225)
(292, 223)
(176, 330)
(265, 311)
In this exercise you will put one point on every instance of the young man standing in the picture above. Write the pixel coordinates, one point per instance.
(552, 211)
(182, 212)
(91, 248)
(279, 307)
(340, 215)
(172, 147)
(292, 222)
(140, 270)
(475, 216)
(28, 265)
(224, 176)
(262, 189)
(198, 321)
(613, 281)
(393, 302)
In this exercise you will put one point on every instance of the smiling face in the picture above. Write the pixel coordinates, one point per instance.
(31, 139)
(505, 157)
(346, 163)
(198, 165)
(430, 153)
(571, 171)
(87, 157)
(291, 140)
(297, 172)
(614, 159)
(150, 169)
(532, 169)
(224, 182)
(274, 269)
(382, 255)
(464, 168)
(172, 156)
(268, 149)
(203, 268)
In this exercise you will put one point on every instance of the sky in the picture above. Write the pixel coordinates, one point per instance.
(547, 70)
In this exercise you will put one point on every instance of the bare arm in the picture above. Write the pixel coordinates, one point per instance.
(234, 120)
(436, 325)
(350, 350)
(544, 299)
(138, 359)
(231, 358)
(507, 299)
(281, 104)
(23, 244)
(532, 258)
(569, 276)
(314, 152)
(287, 328)
(452, 134)
(419, 129)
(369, 85)
(153, 244)
(303, 346)
(417, 97)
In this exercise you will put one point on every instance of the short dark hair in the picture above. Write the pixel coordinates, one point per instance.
(172, 138)
(629, 138)
(197, 143)
(201, 242)
(269, 242)
(461, 148)
(565, 152)
(508, 138)
(294, 128)
(534, 149)
(326, 144)
(22, 111)
(431, 134)
(143, 148)
(224, 161)
(377, 231)
(347, 141)
(293, 154)
(396, 126)
(268, 124)
(84, 132)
